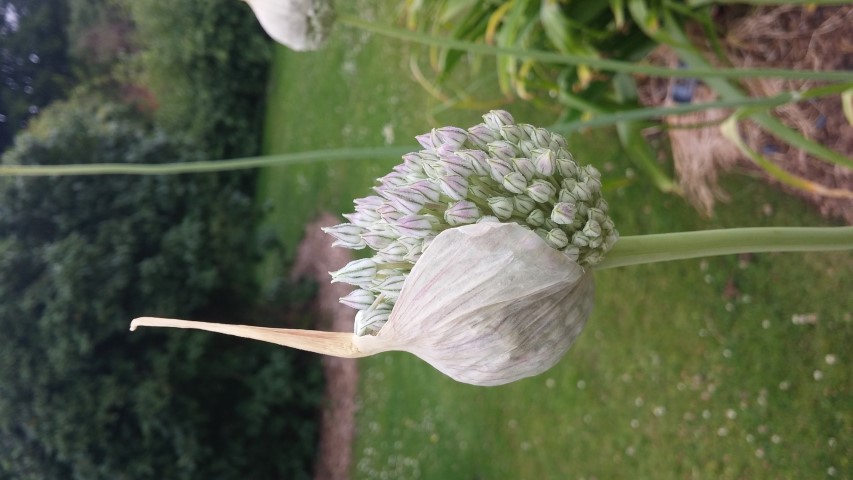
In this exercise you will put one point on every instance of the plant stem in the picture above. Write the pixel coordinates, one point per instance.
(639, 249)
(598, 63)
(206, 166)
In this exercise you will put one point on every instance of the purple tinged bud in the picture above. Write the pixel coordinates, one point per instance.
(563, 213)
(372, 202)
(347, 235)
(358, 299)
(476, 160)
(541, 191)
(393, 179)
(454, 186)
(357, 272)
(536, 218)
(557, 238)
(514, 182)
(406, 199)
(415, 226)
(503, 150)
(428, 189)
(395, 252)
(458, 165)
(451, 136)
(378, 239)
(497, 118)
(499, 168)
(413, 160)
(501, 206)
(525, 167)
(523, 204)
(513, 133)
(426, 141)
(481, 135)
(389, 213)
(545, 162)
(461, 213)
(363, 219)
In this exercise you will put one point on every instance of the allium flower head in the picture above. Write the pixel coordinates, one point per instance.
(495, 171)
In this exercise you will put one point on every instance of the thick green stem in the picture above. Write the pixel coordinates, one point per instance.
(639, 249)
(206, 166)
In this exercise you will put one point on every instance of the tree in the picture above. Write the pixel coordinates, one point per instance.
(81, 397)
(34, 67)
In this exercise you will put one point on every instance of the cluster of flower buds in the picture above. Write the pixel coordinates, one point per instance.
(496, 171)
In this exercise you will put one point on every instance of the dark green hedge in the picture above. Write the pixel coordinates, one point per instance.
(83, 398)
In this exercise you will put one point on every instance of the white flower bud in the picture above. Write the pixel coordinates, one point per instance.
(501, 206)
(567, 167)
(541, 191)
(545, 162)
(497, 118)
(391, 286)
(297, 24)
(458, 165)
(536, 218)
(557, 238)
(513, 133)
(371, 320)
(477, 160)
(515, 182)
(378, 239)
(357, 272)
(523, 204)
(347, 235)
(396, 251)
(503, 150)
(359, 299)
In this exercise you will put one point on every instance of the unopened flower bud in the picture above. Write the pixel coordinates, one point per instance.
(391, 286)
(394, 252)
(557, 238)
(545, 162)
(477, 160)
(462, 213)
(458, 165)
(563, 213)
(358, 299)
(512, 133)
(503, 150)
(501, 206)
(481, 135)
(541, 191)
(454, 186)
(536, 218)
(406, 199)
(567, 167)
(514, 182)
(357, 272)
(497, 118)
(378, 239)
(523, 204)
(415, 226)
(592, 229)
(524, 166)
(371, 320)
(347, 235)
(428, 189)
(453, 137)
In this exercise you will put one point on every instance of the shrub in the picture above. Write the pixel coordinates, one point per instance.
(80, 397)
(207, 63)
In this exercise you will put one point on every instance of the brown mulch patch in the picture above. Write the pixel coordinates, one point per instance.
(790, 37)
(315, 258)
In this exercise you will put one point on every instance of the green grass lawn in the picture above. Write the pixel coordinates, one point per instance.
(690, 369)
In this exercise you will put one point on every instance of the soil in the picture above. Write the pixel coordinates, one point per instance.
(315, 259)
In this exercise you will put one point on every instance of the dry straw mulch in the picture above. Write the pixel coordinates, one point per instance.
(779, 37)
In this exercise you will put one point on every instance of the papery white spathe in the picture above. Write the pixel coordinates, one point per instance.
(297, 24)
(486, 304)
